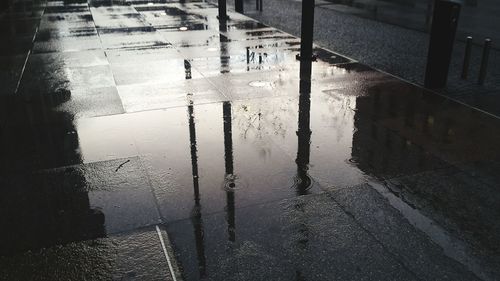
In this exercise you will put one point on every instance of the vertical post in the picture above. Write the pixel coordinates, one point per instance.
(257, 2)
(229, 179)
(468, 48)
(442, 37)
(222, 10)
(484, 61)
(197, 218)
(187, 69)
(304, 140)
(304, 131)
(238, 6)
(306, 39)
(260, 5)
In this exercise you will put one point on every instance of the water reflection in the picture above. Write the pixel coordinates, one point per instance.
(304, 139)
(187, 69)
(224, 54)
(431, 151)
(230, 177)
(196, 216)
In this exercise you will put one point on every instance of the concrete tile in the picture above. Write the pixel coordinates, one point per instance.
(80, 202)
(152, 72)
(141, 97)
(410, 246)
(131, 39)
(308, 237)
(130, 256)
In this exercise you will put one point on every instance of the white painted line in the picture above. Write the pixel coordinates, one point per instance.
(171, 268)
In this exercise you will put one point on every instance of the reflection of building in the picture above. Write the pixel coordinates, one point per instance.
(403, 131)
(423, 124)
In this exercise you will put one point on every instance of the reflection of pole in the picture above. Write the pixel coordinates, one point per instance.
(196, 217)
(187, 69)
(303, 154)
(228, 158)
(304, 139)
(224, 57)
(304, 130)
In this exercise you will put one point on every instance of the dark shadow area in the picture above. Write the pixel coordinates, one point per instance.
(401, 132)
(38, 208)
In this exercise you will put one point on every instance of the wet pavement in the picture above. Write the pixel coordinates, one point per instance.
(145, 141)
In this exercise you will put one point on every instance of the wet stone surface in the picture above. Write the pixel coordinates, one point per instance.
(133, 120)
(79, 203)
(129, 256)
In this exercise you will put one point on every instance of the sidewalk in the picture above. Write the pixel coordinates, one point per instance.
(141, 142)
(396, 50)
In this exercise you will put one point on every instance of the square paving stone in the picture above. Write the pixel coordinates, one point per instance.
(31, 142)
(153, 72)
(141, 55)
(48, 79)
(119, 39)
(460, 203)
(70, 59)
(140, 97)
(73, 203)
(129, 256)
(10, 73)
(68, 44)
(409, 245)
(304, 238)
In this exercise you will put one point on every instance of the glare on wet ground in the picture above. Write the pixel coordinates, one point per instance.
(133, 131)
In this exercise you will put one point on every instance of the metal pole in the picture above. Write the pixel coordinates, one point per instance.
(260, 5)
(197, 218)
(222, 10)
(304, 140)
(484, 61)
(442, 36)
(306, 39)
(229, 168)
(257, 2)
(238, 6)
(468, 48)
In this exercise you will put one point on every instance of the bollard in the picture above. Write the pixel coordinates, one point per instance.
(442, 37)
(238, 6)
(484, 61)
(468, 48)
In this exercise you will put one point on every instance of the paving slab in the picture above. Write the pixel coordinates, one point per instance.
(134, 118)
(133, 255)
(283, 240)
(389, 227)
(79, 202)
